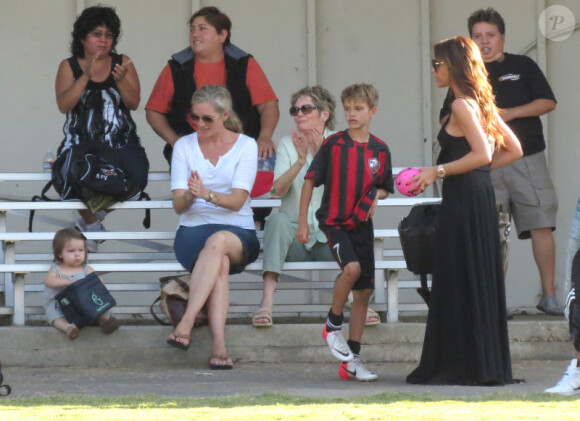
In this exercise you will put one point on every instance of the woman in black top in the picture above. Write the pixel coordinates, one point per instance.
(466, 340)
(96, 88)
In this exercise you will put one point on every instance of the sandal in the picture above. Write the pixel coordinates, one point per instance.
(175, 340)
(221, 362)
(72, 331)
(373, 318)
(262, 318)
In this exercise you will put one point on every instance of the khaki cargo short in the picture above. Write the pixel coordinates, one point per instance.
(524, 189)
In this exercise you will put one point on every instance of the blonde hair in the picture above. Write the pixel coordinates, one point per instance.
(363, 91)
(221, 100)
(467, 70)
(62, 237)
(322, 99)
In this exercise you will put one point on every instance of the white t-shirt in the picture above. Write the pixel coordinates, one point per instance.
(236, 169)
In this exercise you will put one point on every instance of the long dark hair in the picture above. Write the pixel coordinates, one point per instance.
(467, 71)
(89, 19)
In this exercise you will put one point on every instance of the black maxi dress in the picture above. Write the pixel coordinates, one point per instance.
(466, 339)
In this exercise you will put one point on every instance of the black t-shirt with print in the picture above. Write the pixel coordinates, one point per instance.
(517, 80)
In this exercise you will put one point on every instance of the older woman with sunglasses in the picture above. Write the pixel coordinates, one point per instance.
(313, 110)
(212, 173)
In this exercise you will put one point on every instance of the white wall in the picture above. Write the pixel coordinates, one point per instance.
(377, 41)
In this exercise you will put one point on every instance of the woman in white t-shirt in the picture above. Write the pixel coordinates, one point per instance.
(212, 173)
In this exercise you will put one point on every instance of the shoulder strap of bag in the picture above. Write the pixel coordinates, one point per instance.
(147, 219)
(155, 316)
(36, 198)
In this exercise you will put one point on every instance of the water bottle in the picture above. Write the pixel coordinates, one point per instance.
(48, 161)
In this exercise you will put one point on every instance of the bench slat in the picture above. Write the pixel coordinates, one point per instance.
(389, 261)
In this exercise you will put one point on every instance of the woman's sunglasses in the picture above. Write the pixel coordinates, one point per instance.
(435, 64)
(306, 109)
(206, 118)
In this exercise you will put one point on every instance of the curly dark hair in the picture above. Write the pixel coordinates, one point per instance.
(89, 19)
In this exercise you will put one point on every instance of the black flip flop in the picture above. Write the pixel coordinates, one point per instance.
(221, 366)
(176, 344)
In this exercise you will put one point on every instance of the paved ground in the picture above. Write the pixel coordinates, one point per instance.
(314, 380)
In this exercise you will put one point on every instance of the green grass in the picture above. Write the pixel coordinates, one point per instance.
(387, 406)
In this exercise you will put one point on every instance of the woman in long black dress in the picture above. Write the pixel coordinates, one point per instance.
(466, 340)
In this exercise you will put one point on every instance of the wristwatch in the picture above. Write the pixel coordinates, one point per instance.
(211, 196)
(440, 171)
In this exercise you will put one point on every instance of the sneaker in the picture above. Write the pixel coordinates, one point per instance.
(550, 306)
(101, 215)
(569, 384)
(337, 344)
(355, 369)
(82, 226)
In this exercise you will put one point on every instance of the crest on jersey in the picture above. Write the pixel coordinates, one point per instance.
(374, 165)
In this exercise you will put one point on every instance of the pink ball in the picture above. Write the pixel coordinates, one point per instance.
(402, 179)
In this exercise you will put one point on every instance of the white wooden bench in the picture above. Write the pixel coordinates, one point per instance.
(16, 266)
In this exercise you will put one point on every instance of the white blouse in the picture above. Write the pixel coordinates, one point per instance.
(234, 170)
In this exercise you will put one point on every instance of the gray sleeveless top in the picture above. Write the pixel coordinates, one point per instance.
(51, 292)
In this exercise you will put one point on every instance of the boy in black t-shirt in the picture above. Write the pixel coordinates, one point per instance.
(355, 168)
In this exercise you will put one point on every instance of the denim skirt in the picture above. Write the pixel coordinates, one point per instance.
(189, 241)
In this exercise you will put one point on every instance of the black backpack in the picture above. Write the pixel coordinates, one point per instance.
(417, 236)
(94, 178)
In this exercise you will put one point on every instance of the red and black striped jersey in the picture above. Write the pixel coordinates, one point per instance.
(351, 173)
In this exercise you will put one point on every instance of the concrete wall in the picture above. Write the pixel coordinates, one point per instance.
(332, 42)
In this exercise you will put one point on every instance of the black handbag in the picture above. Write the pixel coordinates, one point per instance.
(417, 236)
(85, 301)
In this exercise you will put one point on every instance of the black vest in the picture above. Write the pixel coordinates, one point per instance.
(184, 87)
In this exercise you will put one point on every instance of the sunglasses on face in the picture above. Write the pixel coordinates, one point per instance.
(435, 64)
(306, 109)
(205, 118)
(99, 34)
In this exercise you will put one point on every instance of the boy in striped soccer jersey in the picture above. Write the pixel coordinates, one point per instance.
(355, 168)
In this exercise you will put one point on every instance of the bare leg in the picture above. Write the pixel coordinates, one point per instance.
(61, 324)
(544, 250)
(343, 285)
(217, 309)
(358, 313)
(270, 283)
(206, 273)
